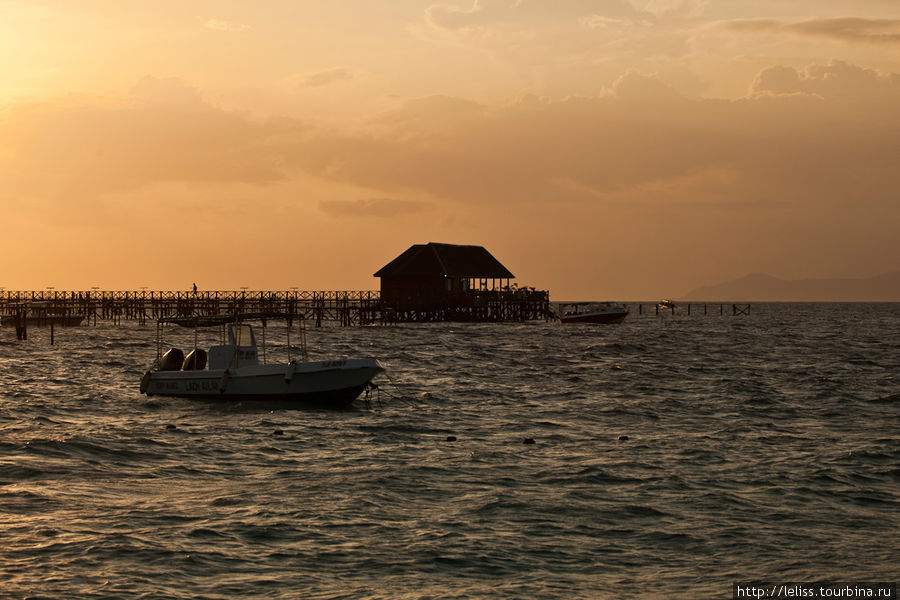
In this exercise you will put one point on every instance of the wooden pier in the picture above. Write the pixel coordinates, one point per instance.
(54, 309)
(707, 308)
(345, 308)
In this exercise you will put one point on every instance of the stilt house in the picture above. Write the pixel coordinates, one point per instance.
(440, 274)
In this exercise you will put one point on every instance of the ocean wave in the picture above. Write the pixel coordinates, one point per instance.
(511, 460)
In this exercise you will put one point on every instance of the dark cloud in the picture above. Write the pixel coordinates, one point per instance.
(884, 31)
(162, 131)
(491, 12)
(328, 77)
(372, 207)
(845, 29)
(838, 82)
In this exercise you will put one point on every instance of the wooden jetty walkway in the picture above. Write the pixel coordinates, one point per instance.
(685, 308)
(52, 308)
(343, 307)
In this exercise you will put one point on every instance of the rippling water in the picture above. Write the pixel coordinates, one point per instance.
(672, 456)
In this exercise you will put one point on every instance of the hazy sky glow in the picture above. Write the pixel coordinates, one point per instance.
(599, 148)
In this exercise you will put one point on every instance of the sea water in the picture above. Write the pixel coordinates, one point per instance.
(672, 456)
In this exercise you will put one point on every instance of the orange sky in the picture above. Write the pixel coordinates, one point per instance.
(622, 149)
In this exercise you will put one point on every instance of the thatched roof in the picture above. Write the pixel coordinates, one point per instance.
(445, 260)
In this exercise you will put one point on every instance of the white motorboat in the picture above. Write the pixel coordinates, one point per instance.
(235, 371)
(592, 312)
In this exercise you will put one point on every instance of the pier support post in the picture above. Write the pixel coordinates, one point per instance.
(21, 326)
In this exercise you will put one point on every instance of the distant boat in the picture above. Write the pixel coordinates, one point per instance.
(41, 314)
(235, 372)
(666, 305)
(592, 312)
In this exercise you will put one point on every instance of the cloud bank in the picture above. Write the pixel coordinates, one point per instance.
(493, 12)
(802, 170)
(640, 140)
(162, 131)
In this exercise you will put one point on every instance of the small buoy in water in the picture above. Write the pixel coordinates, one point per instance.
(170, 426)
(278, 432)
(623, 438)
(528, 441)
(616, 367)
(451, 438)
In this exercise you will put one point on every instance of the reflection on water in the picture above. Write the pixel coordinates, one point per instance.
(752, 447)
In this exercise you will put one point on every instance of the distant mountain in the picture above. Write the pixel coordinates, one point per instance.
(758, 287)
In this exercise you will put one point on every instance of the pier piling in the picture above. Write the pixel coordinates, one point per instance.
(346, 308)
(736, 309)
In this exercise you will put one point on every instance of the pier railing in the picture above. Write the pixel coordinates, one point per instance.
(356, 307)
(346, 307)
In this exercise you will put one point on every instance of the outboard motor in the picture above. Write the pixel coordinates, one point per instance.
(195, 360)
(171, 360)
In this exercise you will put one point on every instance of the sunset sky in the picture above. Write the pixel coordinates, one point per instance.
(602, 149)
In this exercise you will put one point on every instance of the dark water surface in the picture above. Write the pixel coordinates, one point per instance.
(761, 447)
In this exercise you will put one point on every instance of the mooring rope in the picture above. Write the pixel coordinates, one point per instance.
(379, 390)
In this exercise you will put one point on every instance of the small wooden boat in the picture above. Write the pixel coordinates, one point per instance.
(666, 305)
(592, 312)
(40, 314)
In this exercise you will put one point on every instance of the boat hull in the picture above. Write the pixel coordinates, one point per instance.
(608, 317)
(329, 384)
(44, 321)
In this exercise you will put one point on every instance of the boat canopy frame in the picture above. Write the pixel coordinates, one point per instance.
(203, 322)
